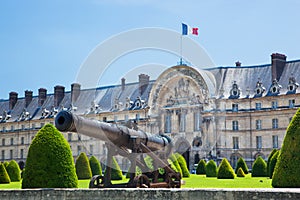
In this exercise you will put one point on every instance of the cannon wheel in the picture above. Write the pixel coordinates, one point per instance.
(141, 181)
(97, 181)
(174, 180)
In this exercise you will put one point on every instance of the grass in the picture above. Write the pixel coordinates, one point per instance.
(195, 181)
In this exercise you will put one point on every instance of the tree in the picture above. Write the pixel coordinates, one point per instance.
(49, 162)
(176, 164)
(259, 168)
(225, 170)
(201, 167)
(83, 169)
(183, 166)
(286, 172)
(95, 166)
(4, 177)
(269, 160)
(211, 169)
(241, 164)
(116, 173)
(273, 163)
(14, 171)
(240, 173)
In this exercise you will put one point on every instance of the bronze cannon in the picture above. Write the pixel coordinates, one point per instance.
(126, 142)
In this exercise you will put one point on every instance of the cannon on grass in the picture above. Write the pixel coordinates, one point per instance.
(133, 144)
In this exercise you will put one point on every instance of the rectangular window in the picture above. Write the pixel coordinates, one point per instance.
(258, 124)
(258, 106)
(12, 128)
(104, 119)
(91, 149)
(235, 125)
(79, 137)
(22, 140)
(235, 142)
(11, 154)
(137, 117)
(22, 153)
(275, 141)
(3, 154)
(42, 124)
(22, 126)
(168, 123)
(274, 123)
(274, 104)
(115, 118)
(33, 126)
(78, 150)
(69, 137)
(4, 129)
(197, 121)
(291, 103)
(258, 142)
(11, 141)
(126, 118)
(182, 122)
(235, 107)
(3, 142)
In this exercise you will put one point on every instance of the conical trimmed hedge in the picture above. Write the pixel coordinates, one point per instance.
(183, 166)
(273, 163)
(176, 164)
(4, 177)
(83, 169)
(287, 170)
(259, 168)
(269, 160)
(201, 167)
(241, 164)
(225, 170)
(49, 162)
(14, 171)
(95, 166)
(116, 173)
(240, 173)
(211, 169)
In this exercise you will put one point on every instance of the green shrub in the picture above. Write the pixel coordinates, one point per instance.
(241, 164)
(6, 163)
(95, 166)
(259, 168)
(225, 170)
(182, 164)
(201, 167)
(116, 173)
(273, 163)
(240, 173)
(49, 162)
(269, 160)
(176, 164)
(287, 170)
(83, 168)
(211, 169)
(4, 177)
(14, 171)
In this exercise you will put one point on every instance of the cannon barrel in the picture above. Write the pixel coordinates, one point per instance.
(107, 132)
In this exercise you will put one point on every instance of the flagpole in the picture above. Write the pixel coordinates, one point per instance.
(181, 50)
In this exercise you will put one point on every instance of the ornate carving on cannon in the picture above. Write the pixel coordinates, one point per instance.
(130, 143)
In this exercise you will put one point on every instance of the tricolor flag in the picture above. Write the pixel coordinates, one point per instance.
(187, 30)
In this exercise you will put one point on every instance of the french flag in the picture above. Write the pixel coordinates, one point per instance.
(187, 30)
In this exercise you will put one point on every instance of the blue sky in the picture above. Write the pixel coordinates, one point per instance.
(44, 43)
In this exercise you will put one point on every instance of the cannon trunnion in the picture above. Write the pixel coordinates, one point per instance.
(129, 143)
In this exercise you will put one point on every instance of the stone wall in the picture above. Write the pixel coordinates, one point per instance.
(161, 194)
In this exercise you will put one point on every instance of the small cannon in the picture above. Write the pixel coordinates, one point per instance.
(133, 144)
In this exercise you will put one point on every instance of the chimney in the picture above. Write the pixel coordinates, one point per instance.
(75, 92)
(28, 97)
(13, 98)
(278, 64)
(59, 93)
(143, 82)
(123, 83)
(42, 96)
(238, 64)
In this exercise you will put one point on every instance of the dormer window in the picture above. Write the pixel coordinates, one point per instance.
(259, 89)
(235, 91)
(293, 85)
(275, 88)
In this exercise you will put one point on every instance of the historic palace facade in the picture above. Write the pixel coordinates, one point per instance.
(232, 112)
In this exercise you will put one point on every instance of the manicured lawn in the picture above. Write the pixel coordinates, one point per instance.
(195, 181)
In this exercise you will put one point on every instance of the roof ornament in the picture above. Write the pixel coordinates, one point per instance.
(293, 85)
(259, 88)
(235, 91)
